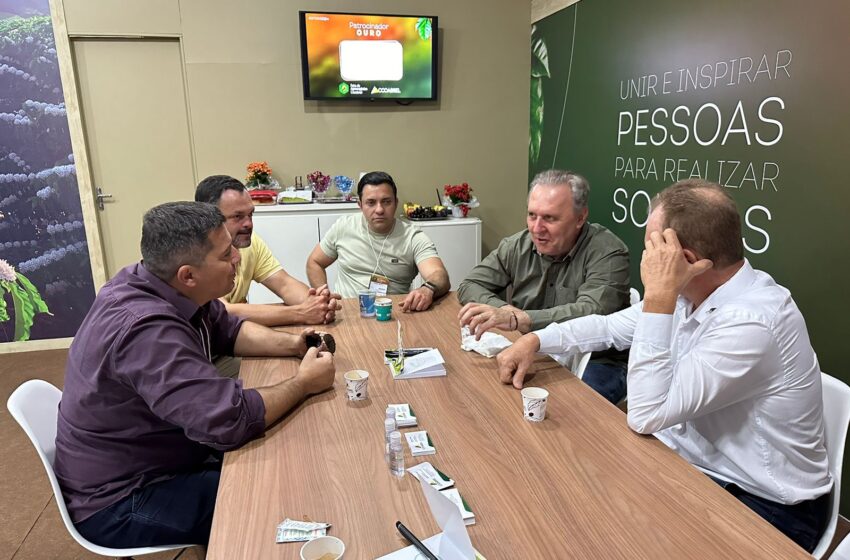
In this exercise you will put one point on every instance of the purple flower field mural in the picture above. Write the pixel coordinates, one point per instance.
(47, 286)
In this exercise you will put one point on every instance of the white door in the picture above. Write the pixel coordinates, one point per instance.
(137, 130)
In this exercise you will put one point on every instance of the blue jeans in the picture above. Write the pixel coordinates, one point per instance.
(174, 511)
(803, 523)
(607, 379)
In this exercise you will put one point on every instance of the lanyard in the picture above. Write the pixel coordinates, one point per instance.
(377, 255)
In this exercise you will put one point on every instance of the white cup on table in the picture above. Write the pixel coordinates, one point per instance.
(534, 403)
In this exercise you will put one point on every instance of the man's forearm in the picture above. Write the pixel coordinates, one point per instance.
(440, 281)
(472, 291)
(316, 274)
(270, 315)
(257, 340)
(281, 398)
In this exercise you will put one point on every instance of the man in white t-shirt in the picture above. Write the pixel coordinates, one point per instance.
(721, 368)
(378, 252)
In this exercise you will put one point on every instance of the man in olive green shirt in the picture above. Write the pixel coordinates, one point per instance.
(559, 268)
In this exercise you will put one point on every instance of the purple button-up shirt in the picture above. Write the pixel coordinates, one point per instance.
(142, 401)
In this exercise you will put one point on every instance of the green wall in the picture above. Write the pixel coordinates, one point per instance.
(779, 143)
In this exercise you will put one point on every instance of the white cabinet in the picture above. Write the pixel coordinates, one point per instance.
(458, 243)
(291, 232)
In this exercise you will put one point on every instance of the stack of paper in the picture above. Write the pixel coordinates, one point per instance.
(404, 417)
(453, 543)
(465, 513)
(420, 443)
(426, 364)
(425, 472)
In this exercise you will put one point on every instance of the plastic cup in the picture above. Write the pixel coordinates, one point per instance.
(357, 384)
(367, 303)
(534, 403)
(321, 547)
(384, 308)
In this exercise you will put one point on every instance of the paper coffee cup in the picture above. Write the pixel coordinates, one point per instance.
(367, 303)
(357, 384)
(384, 308)
(534, 403)
(321, 547)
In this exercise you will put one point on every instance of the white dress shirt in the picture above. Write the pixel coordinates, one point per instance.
(733, 386)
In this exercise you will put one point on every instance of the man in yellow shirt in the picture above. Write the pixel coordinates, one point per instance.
(302, 305)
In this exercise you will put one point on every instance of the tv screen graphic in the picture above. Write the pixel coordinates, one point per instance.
(368, 56)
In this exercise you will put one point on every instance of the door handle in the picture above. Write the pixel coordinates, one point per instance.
(101, 196)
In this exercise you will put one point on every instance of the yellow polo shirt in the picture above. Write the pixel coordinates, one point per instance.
(257, 264)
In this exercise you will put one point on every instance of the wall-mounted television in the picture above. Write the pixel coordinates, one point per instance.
(346, 56)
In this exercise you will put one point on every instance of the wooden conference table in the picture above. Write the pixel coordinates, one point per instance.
(580, 484)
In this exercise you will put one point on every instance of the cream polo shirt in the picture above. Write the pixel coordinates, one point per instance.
(257, 264)
(361, 252)
(732, 386)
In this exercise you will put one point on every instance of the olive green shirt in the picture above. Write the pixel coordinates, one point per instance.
(592, 279)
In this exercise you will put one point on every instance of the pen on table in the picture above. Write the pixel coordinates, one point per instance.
(411, 538)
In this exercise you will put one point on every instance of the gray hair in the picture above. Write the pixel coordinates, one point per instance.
(578, 185)
(177, 233)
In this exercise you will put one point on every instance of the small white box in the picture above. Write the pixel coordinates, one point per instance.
(371, 61)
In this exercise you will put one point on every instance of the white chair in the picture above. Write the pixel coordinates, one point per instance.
(836, 416)
(842, 551)
(35, 406)
(579, 361)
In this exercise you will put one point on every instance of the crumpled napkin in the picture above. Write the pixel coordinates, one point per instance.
(489, 345)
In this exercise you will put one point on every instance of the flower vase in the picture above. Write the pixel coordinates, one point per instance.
(457, 211)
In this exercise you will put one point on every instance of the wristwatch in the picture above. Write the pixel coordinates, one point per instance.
(430, 286)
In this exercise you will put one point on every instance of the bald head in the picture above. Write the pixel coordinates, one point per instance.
(705, 218)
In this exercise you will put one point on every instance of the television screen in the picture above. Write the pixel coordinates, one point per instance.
(368, 56)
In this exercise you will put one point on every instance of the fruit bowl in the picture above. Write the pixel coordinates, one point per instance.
(417, 212)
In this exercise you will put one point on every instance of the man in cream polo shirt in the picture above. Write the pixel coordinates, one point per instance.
(376, 251)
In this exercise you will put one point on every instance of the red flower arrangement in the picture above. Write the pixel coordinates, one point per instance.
(460, 196)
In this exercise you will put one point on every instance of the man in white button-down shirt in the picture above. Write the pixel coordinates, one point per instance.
(721, 368)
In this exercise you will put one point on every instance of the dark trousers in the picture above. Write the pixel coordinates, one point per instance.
(174, 511)
(606, 378)
(803, 523)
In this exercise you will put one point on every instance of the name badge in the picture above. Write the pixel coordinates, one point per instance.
(379, 284)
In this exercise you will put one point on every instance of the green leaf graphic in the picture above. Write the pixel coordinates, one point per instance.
(423, 27)
(40, 305)
(24, 312)
(535, 137)
(4, 315)
(539, 59)
(539, 70)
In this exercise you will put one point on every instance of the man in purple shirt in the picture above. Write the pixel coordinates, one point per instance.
(144, 414)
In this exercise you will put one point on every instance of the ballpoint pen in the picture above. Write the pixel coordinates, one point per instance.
(411, 538)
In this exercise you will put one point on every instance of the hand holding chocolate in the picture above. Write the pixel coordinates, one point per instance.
(319, 338)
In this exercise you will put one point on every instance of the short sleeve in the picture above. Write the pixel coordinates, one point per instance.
(423, 247)
(265, 262)
(329, 241)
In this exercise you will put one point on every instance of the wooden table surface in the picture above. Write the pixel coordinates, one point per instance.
(580, 484)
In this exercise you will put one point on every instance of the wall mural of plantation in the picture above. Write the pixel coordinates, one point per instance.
(46, 284)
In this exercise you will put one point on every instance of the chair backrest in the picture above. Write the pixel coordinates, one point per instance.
(580, 363)
(836, 417)
(842, 552)
(35, 406)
